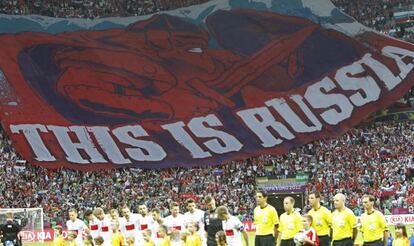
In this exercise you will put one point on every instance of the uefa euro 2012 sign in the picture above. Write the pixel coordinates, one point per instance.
(211, 83)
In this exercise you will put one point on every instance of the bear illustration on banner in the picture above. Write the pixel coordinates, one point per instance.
(166, 68)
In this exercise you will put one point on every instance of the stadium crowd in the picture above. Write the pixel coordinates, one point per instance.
(90, 8)
(373, 13)
(377, 14)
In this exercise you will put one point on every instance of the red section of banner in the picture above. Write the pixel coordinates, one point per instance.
(158, 94)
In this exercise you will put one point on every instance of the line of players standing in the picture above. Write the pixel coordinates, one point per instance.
(321, 227)
(217, 226)
(193, 228)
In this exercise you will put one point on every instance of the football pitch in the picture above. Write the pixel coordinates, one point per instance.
(251, 238)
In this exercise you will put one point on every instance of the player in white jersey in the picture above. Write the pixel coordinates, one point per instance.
(195, 215)
(145, 221)
(158, 221)
(175, 224)
(129, 224)
(93, 223)
(105, 225)
(232, 227)
(76, 226)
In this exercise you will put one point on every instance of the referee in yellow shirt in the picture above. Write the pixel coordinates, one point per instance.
(290, 223)
(344, 223)
(322, 218)
(373, 224)
(266, 221)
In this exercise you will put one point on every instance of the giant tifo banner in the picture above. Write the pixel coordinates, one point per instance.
(220, 81)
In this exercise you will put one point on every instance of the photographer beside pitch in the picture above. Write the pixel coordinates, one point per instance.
(10, 231)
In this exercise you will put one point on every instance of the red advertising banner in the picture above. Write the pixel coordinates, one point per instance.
(38, 235)
(394, 219)
(400, 210)
(171, 90)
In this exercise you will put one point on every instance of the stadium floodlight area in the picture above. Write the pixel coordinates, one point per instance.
(31, 218)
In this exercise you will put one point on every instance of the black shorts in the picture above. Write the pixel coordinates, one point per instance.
(324, 240)
(374, 243)
(288, 242)
(343, 242)
(265, 240)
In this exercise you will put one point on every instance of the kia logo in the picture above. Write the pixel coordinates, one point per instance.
(396, 219)
(28, 236)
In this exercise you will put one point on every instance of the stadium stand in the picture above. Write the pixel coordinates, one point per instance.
(91, 9)
(379, 15)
